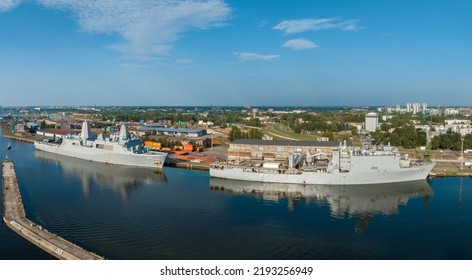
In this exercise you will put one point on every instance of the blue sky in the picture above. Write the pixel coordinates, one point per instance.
(254, 52)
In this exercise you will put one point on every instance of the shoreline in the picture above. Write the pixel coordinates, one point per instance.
(442, 168)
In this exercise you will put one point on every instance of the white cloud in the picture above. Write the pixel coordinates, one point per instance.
(302, 25)
(243, 56)
(147, 27)
(299, 44)
(137, 66)
(138, 62)
(6, 5)
(147, 62)
(143, 58)
(183, 61)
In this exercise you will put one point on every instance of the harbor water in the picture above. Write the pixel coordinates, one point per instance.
(134, 213)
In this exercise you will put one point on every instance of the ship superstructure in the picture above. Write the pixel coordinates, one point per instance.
(121, 148)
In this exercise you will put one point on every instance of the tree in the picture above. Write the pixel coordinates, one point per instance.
(255, 134)
(42, 125)
(445, 142)
(395, 139)
(435, 143)
(377, 137)
(468, 142)
(297, 128)
(353, 130)
(253, 122)
(330, 136)
(422, 139)
(408, 136)
(384, 127)
(234, 134)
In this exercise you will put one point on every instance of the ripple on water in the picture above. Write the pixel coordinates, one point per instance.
(124, 213)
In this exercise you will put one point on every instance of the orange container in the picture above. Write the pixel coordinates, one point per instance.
(153, 145)
(188, 147)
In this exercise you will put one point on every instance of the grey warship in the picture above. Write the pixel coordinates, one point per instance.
(345, 166)
(120, 148)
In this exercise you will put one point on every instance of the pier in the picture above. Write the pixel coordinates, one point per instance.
(14, 217)
(172, 162)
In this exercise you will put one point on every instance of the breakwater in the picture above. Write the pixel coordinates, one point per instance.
(14, 216)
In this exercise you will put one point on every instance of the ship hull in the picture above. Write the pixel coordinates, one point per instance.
(416, 173)
(147, 160)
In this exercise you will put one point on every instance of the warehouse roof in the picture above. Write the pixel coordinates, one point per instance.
(60, 131)
(171, 129)
(289, 143)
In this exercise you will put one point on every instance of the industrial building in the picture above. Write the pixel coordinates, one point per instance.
(56, 132)
(249, 149)
(371, 122)
(199, 141)
(171, 131)
(31, 126)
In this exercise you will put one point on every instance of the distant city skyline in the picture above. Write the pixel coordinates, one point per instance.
(233, 53)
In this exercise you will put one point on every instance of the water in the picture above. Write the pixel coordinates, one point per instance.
(129, 213)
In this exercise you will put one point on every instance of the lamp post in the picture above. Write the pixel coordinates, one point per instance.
(462, 152)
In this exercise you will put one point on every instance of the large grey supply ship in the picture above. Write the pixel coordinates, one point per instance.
(345, 166)
(122, 148)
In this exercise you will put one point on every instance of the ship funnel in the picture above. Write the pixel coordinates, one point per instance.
(124, 135)
(86, 132)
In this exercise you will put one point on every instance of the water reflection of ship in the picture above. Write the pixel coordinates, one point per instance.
(361, 201)
(121, 178)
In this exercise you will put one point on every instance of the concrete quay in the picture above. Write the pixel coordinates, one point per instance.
(14, 217)
(172, 162)
(22, 139)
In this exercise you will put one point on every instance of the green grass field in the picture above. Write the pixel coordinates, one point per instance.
(279, 132)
